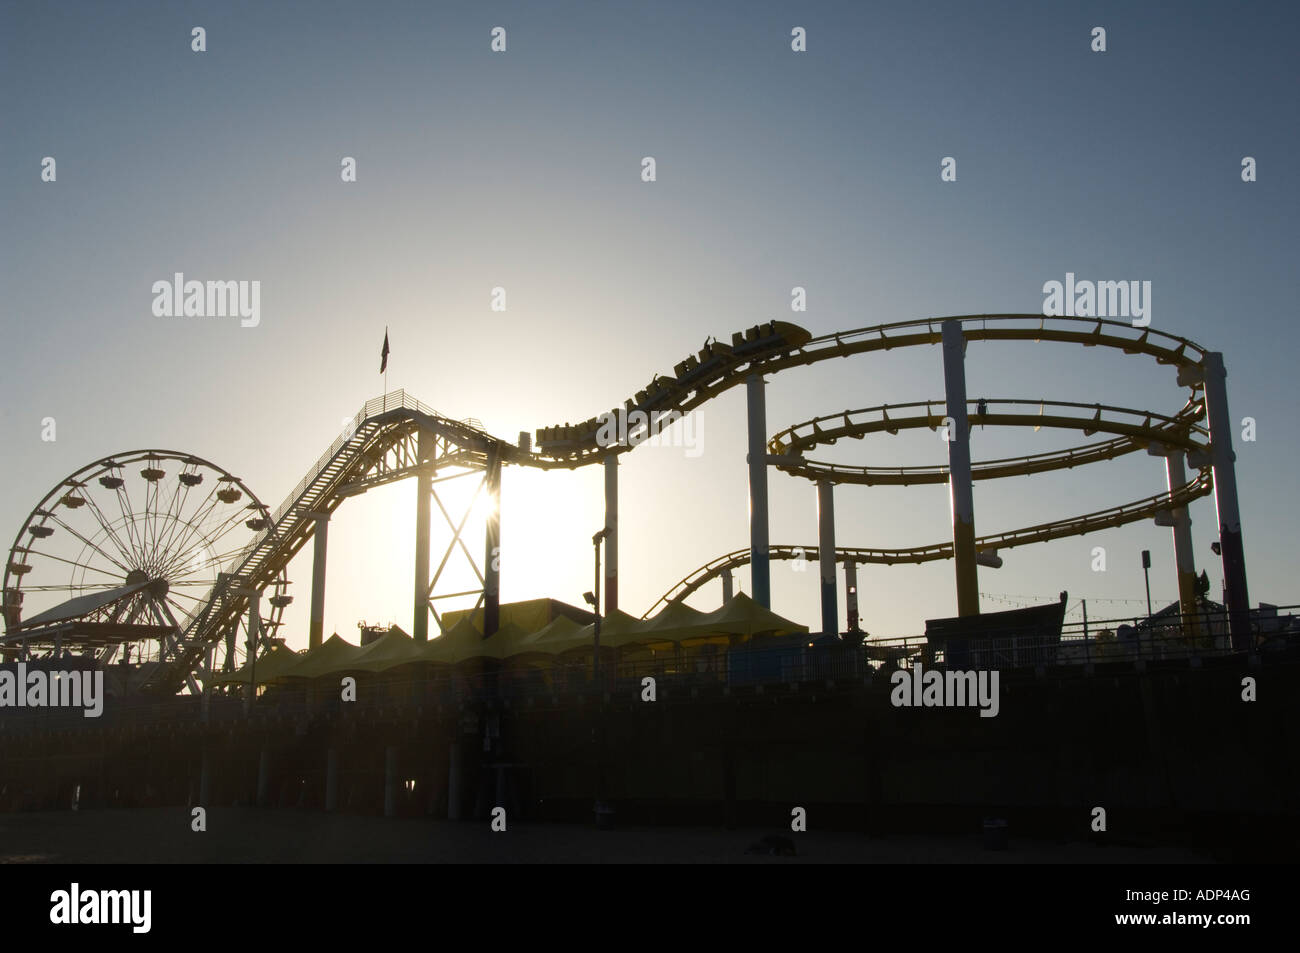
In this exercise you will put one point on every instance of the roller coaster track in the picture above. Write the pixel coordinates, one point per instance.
(378, 447)
(1181, 431)
(719, 367)
(1074, 526)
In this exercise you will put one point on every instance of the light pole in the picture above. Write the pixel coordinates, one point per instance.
(1146, 571)
(593, 599)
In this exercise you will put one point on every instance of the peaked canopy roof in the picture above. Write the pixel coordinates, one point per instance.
(269, 667)
(391, 649)
(741, 618)
(744, 617)
(678, 622)
(561, 634)
(616, 629)
(332, 656)
(462, 641)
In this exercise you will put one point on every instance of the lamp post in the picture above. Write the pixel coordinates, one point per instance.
(593, 599)
(1146, 571)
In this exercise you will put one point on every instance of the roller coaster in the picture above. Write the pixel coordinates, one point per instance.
(139, 550)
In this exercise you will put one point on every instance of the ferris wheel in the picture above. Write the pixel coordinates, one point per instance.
(125, 554)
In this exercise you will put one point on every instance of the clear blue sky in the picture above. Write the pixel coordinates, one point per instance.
(522, 170)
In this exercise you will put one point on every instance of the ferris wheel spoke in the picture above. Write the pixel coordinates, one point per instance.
(83, 566)
(197, 525)
(150, 516)
(123, 548)
(124, 504)
(183, 529)
(219, 559)
(187, 562)
(227, 526)
(74, 532)
(178, 542)
(173, 521)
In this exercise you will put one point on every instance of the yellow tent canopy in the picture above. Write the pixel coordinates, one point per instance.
(463, 642)
(451, 644)
(616, 629)
(334, 655)
(268, 668)
(744, 617)
(559, 635)
(679, 623)
(391, 649)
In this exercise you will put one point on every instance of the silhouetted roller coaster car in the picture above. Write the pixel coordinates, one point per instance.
(713, 362)
(774, 336)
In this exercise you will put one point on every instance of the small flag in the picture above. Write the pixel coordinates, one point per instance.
(383, 355)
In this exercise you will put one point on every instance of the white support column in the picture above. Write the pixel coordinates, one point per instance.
(1225, 498)
(1184, 559)
(611, 540)
(759, 548)
(851, 594)
(959, 470)
(492, 545)
(315, 633)
(826, 553)
(423, 494)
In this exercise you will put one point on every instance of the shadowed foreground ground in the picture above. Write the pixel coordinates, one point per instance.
(242, 835)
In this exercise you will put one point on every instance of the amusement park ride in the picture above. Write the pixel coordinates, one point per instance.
(170, 556)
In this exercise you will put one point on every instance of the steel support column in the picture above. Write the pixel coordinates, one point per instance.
(826, 551)
(728, 586)
(423, 492)
(759, 567)
(315, 634)
(959, 470)
(1225, 500)
(851, 594)
(254, 637)
(492, 559)
(611, 540)
(1184, 560)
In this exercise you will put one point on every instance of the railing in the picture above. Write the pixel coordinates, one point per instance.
(394, 400)
(1058, 325)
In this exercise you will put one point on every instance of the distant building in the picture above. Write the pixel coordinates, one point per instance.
(998, 640)
(372, 633)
